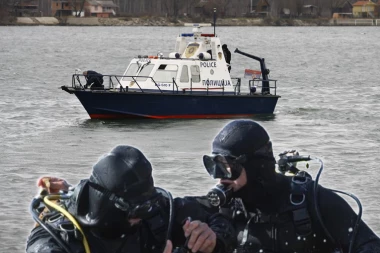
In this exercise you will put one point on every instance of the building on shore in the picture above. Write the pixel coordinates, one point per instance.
(197, 9)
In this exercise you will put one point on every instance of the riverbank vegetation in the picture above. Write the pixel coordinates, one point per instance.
(176, 12)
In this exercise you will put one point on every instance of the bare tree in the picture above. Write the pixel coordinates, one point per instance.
(7, 7)
(3, 9)
(279, 8)
(74, 4)
(166, 6)
(171, 7)
(222, 5)
(189, 5)
(299, 6)
(335, 4)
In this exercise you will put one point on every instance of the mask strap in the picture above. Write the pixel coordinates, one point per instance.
(120, 203)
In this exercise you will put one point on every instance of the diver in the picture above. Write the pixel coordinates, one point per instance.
(94, 80)
(274, 212)
(118, 209)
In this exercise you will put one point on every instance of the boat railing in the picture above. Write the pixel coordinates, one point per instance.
(115, 81)
(213, 88)
(175, 83)
(271, 84)
(237, 85)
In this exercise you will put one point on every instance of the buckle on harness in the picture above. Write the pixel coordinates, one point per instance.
(298, 197)
(299, 180)
(295, 202)
(301, 216)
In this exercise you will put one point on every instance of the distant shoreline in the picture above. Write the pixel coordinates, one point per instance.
(162, 21)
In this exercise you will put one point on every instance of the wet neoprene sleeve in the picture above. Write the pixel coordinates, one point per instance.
(220, 224)
(225, 233)
(339, 218)
(40, 241)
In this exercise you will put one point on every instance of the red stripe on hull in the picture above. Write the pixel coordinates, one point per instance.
(196, 116)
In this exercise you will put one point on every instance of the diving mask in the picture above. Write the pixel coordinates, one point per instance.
(223, 167)
(141, 207)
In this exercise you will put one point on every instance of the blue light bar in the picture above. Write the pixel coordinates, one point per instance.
(187, 34)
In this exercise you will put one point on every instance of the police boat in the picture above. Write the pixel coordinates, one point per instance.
(192, 82)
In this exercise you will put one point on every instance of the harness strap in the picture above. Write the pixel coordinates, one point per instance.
(301, 217)
(302, 221)
(246, 233)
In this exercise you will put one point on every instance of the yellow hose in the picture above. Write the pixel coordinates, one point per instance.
(68, 215)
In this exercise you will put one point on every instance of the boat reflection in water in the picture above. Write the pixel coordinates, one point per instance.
(191, 82)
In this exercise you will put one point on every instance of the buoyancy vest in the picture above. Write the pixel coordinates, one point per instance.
(291, 229)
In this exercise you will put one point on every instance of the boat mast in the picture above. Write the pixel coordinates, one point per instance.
(214, 20)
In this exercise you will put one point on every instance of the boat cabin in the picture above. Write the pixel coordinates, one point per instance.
(196, 65)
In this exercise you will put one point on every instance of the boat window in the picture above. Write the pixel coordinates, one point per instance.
(166, 73)
(195, 74)
(184, 75)
(145, 72)
(132, 71)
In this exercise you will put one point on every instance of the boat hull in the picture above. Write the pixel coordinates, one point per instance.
(119, 105)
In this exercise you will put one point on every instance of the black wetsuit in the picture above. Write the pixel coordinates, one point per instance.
(148, 236)
(275, 225)
(94, 79)
(227, 56)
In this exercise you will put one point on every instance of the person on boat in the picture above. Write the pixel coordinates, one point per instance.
(273, 212)
(227, 56)
(93, 79)
(118, 209)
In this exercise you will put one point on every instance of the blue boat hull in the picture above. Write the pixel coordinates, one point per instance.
(115, 105)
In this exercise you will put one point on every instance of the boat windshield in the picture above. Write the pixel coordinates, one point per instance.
(133, 71)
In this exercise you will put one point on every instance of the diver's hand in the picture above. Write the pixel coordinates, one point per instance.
(201, 236)
(53, 184)
(168, 247)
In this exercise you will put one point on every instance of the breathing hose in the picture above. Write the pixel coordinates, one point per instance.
(47, 201)
(35, 203)
(359, 215)
(318, 213)
(171, 213)
(356, 227)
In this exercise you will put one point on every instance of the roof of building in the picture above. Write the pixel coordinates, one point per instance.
(310, 6)
(256, 2)
(102, 3)
(361, 3)
(343, 3)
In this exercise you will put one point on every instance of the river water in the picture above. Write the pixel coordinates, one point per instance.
(328, 78)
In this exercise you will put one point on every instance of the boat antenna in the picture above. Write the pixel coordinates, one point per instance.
(214, 20)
